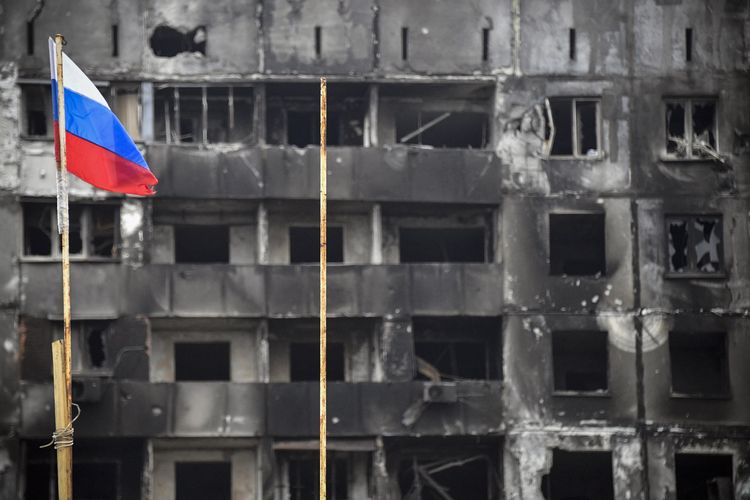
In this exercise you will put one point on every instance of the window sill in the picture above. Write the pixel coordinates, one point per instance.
(582, 394)
(37, 138)
(675, 160)
(597, 158)
(73, 260)
(694, 276)
(714, 397)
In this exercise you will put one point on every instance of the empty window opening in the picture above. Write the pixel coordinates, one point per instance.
(572, 44)
(442, 244)
(93, 230)
(302, 480)
(204, 114)
(95, 342)
(166, 41)
(304, 361)
(580, 361)
(579, 475)
(457, 348)
(576, 128)
(115, 40)
(202, 361)
(30, 38)
(318, 41)
(202, 480)
(576, 244)
(97, 480)
(37, 111)
(699, 364)
(197, 244)
(449, 129)
(293, 114)
(304, 244)
(691, 128)
(458, 476)
(485, 44)
(695, 244)
(703, 476)
(688, 44)
(404, 43)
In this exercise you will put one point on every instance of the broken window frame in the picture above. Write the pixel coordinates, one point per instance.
(171, 132)
(706, 453)
(692, 271)
(283, 480)
(553, 129)
(688, 103)
(429, 463)
(87, 253)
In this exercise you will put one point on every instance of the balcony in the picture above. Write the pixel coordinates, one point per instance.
(206, 409)
(396, 173)
(111, 290)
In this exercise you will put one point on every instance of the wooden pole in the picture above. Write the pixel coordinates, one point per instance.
(62, 422)
(64, 454)
(323, 262)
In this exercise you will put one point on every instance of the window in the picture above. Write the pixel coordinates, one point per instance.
(198, 244)
(576, 244)
(202, 480)
(691, 128)
(200, 115)
(435, 115)
(695, 245)
(575, 131)
(304, 361)
(698, 363)
(579, 475)
(455, 244)
(202, 361)
(37, 111)
(293, 115)
(123, 98)
(304, 244)
(460, 348)
(580, 361)
(703, 476)
(94, 231)
(302, 477)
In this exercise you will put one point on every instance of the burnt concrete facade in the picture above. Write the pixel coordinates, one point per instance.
(539, 238)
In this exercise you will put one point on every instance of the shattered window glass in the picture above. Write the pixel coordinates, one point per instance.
(691, 128)
(37, 110)
(695, 244)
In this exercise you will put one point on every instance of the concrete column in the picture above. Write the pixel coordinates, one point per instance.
(397, 350)
(371, 120)
(147, 112)
(262, 239)
(376, 226)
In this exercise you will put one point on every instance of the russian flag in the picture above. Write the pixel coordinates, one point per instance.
(99, 150)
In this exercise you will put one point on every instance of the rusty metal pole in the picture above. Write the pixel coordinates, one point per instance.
(323, 261)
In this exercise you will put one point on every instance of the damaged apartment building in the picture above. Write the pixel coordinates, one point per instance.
(539, 247)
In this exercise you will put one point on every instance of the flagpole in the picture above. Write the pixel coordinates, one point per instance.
(63, 390)
(323, 270)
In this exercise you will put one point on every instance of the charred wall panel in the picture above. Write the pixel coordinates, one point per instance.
(441, 43)
(663, 398)
(318, 37)
(199, 38)
(526, 258)
(196, 173)
(529, 367)
(601, 43)
(674, 236)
